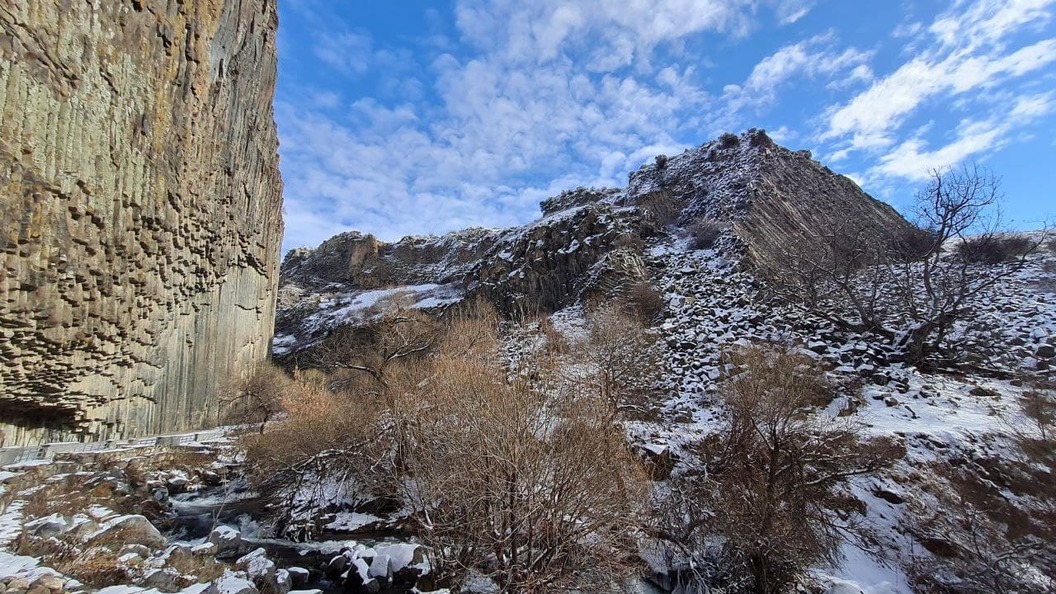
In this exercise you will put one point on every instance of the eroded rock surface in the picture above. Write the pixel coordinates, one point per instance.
(140, 202)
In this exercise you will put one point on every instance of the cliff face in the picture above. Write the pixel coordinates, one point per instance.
(140, 202)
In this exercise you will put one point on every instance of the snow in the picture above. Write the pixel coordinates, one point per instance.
(351, 521)
(340, 305)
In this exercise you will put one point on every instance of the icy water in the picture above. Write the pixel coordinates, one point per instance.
(197, 513)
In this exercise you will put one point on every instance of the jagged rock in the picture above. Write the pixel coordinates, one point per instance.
(48, 526)
(141, 205)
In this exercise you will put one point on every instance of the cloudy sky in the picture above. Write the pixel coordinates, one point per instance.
(417, 117)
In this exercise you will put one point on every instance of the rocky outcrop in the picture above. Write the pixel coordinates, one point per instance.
(766, 193)
(141, 206)
(590, 243)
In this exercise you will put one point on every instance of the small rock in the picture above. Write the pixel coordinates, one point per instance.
(163, 579)
(891, 401)
(47, 527)
(283, 581)
(51, 582)
(336, 566)
(1045, 351)
(134, 549)
(889, 496)
(231, 583)
(258, 567)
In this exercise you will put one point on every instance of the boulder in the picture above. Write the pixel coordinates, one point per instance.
(228, 541)
(231, 583)
(125, 530)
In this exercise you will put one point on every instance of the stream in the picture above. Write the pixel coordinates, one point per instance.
(197, 513)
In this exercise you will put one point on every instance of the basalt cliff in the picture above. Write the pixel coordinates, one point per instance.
(140, 202)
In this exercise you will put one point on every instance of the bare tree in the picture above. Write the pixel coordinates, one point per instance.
(399, 333)
(908, 288)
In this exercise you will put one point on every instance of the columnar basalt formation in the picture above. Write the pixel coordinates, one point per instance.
(140, 202)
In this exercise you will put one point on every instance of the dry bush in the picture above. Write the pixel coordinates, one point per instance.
(1038, 403)
(773, 478)
(978, 539)
(645, 302)
(704, 234)
(510, 481)
(317, 421)
(397, 334)
(254, 398)
(622, 354)
(729, 140)
(992, 249)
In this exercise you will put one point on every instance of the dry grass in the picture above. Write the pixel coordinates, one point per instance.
(704, 234)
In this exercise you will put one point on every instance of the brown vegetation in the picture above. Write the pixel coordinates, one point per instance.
(508, 471)
(773, 476)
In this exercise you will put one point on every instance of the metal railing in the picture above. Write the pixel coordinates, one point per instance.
(48, 451)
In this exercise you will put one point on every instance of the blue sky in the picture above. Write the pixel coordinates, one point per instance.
(413, 117)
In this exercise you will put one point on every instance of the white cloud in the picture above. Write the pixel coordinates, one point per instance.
(815, 57)
(968, 54)
(348, 52)
(912, 159)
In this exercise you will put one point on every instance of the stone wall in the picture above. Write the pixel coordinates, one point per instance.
(140, 209)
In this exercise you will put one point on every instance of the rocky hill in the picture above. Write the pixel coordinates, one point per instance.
(589, 243)
(140, 199)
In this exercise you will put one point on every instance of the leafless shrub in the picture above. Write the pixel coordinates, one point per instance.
(773, 475)
(991, 250)
(645, 302)
(977, 539)
(704, 234)
(519, 476)
(396, 335)
(729, 140)
(1039, 406)
(507, 480)
(620, 352)
(254, 399)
